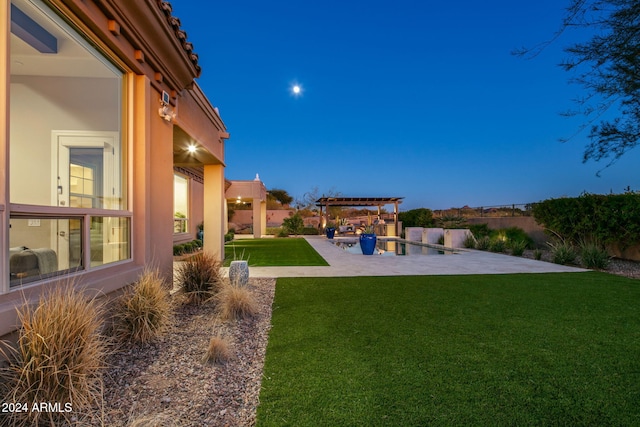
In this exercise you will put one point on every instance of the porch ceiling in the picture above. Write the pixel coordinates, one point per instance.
(183, 157)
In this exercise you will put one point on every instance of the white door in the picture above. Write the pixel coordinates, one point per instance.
(86, 175)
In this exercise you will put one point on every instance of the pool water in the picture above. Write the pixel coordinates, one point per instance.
(392, 247)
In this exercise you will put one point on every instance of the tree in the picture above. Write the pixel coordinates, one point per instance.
(607, 65)
(281, 196)
(421, 217)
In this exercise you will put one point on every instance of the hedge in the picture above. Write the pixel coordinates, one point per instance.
(613, 218)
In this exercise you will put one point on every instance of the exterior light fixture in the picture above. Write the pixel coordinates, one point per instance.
(192, 148)
(165, 110)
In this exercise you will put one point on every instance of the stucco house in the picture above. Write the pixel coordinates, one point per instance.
(105, 135)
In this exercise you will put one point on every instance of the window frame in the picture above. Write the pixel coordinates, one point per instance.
(78, 31)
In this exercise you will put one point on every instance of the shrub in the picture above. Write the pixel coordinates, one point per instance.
(293, 224)
(218, 352)
(537, 254)
(497, 245)
(236, 302)
(451, 221)
(594, 256)
(178, 250)
(479, 230)
(229, 237)
(483, 243)
(144, 310)
(563, 253)
(199, 277)
(469, 241)
(282, 233)
(197, 243)
(514, 234)
(421, 217)
(517, 247)
(310, 231)
(613, 218)
(58, 359)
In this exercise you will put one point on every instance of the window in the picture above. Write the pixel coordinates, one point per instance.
(66, 148)
(180, 203)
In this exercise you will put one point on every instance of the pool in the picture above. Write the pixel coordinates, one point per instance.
(392, 247)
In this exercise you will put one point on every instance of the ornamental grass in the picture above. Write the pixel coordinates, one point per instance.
(58, 359)
(144, 311)
(236, 302)
(199, 277)
(218, 352)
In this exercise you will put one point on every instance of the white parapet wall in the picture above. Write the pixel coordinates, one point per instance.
(431, 236)
(454, 238)
(413, 234)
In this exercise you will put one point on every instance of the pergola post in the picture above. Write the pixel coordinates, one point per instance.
(396, 219)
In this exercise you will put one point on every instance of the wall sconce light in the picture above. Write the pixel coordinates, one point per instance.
(192, 148)
(165, 110)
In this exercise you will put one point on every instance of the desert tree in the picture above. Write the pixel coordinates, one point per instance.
(281, 196)
(607, 65)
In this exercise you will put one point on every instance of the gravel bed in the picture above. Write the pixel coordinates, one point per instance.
(619, 267)
(166, 383)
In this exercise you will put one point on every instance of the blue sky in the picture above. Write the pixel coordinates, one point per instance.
(419, 99)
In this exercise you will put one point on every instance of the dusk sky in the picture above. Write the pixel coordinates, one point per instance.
(419, 99)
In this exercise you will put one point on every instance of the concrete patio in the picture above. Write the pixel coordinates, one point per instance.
(467, 261)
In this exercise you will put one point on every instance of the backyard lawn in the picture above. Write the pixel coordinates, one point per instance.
(273, 252)
(526, 349)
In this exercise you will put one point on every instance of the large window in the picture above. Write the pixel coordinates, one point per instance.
(67, 180)
(180, 203)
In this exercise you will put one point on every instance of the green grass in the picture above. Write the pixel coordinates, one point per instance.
(273, 252)
(527, 349)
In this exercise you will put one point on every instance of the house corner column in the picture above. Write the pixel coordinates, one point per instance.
(259, 218)
(214, 220)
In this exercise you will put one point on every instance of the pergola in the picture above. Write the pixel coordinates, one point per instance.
(362, 201)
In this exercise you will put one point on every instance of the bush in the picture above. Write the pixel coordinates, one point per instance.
(178, 250)
(58, 359)
(144, 310)
(517, 247)
(483, 243)
(563, 253)
(469, 241)
(594, 256)
(282, 233)
(199, 277)
(613, 218)
(451, 221)
(497, 245)
(229, 237)
(514, 234)
(421, 217)
(479, 230)
(236, 302)
(537, 254)
(310, 231)
(293, 224)
(218, 352)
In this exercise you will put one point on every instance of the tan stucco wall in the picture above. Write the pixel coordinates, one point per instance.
(527, 223)
(274, 216)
